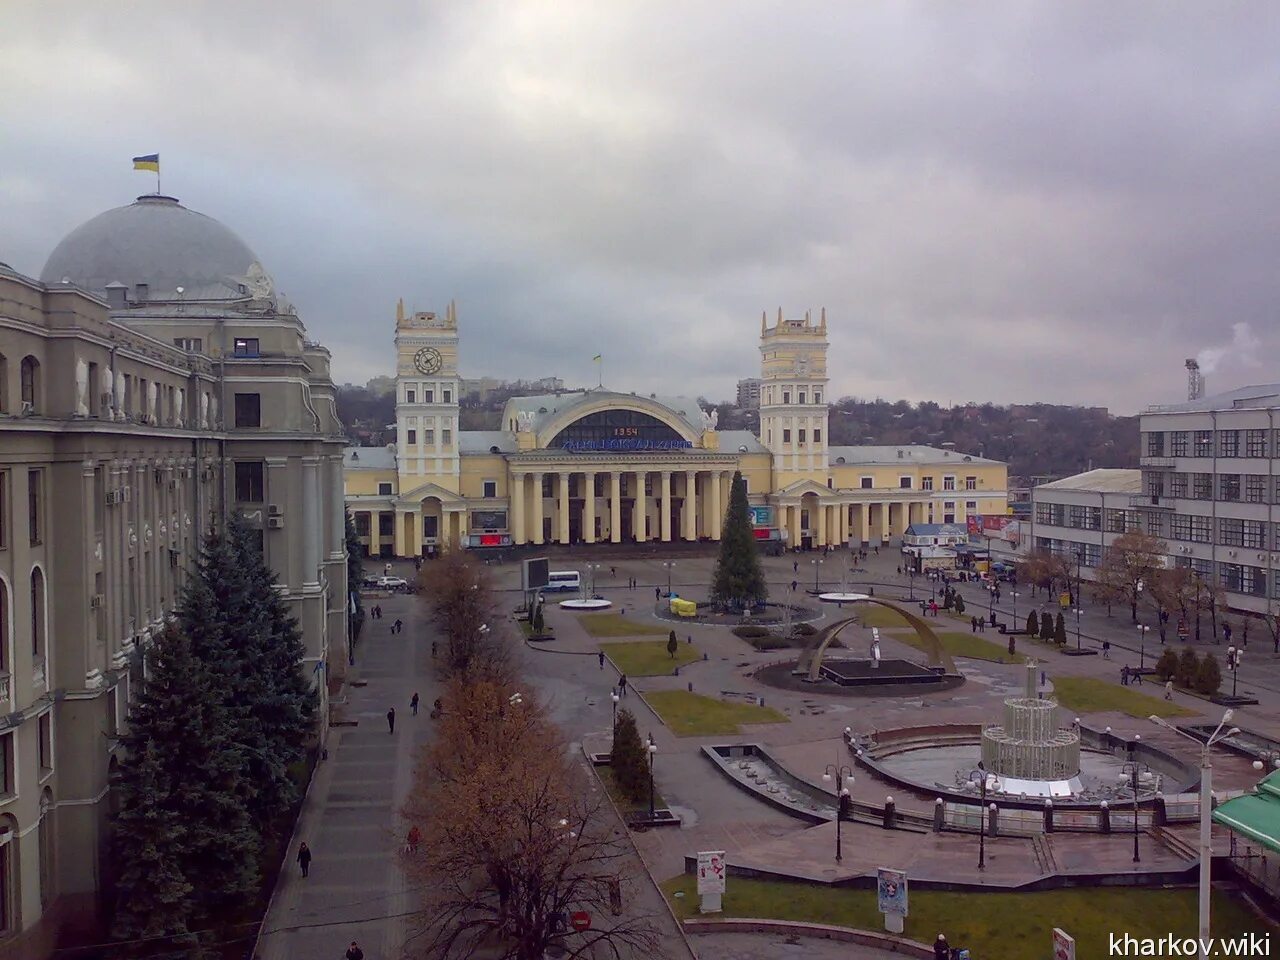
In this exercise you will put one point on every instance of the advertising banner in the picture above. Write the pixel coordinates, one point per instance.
(710, 871)
(761, 516)
(891, 891)
(1064, 946)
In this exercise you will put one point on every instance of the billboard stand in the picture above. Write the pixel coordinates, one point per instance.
(711, 876)
(891, 897)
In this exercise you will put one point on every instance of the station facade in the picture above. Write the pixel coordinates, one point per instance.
(596, 466)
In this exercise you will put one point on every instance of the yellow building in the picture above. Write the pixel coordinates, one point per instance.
(596, 466)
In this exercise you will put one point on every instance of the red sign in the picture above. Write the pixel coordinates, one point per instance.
(491, 540)
(581, 920)
(762, 533)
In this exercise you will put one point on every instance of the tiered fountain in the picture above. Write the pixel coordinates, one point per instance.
(1029, 754)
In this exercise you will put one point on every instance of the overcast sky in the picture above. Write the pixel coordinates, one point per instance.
(1007, 202)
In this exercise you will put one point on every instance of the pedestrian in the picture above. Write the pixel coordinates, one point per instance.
(622, 685)
(1168, 689)
(601, 656)
(304, 858)
(413, 839)
(1106, 649)
(433, 649)
(413, 703)
(973, 624)
(613, 571)
(657, 593)
(794, 584)
(354, 952)
(1137, 677)
(941, 949)
(1124, 675)
(391, 720)
(795, 566)
(399, 625)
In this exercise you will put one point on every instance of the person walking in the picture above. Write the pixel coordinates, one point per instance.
(413, 703)
(399, 625)
(413, 839)
(795, 566)
(433, 649)
(601, 658)
(304, 858)
(613, 571)
(1106, 649)
(354, 952)
(622, 685)
(391, 720)
(941, 949)
(1124, 675)
(1168, 689)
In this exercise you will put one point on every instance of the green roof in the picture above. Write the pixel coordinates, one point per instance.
(1255, 815)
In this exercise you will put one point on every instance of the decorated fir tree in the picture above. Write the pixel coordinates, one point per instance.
(738, 580)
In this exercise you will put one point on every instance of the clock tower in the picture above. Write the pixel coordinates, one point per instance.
(793, 405)
(427, 399)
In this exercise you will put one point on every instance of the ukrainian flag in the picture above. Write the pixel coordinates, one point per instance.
(150, 162)
(597, 357)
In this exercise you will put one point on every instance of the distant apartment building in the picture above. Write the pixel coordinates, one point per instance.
(749, 394)
(1208, 486)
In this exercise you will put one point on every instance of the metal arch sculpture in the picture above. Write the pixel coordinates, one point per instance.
(811, 659)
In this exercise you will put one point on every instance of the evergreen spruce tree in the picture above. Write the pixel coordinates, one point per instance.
(1060, 630)
(1209, 675)
(185, 838)
(1167, 665)
(1033, 624)
(629, 761)
(738, 580)
(1046, 627)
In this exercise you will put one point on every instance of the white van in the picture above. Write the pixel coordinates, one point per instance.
(569, 580)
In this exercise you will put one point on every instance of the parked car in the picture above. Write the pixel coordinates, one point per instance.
(392, 583)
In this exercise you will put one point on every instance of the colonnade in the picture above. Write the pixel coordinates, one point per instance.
(852, 521)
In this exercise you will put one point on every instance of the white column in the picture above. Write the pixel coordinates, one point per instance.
(615, 506)
(640, 510)
(589, 507)
(517, 509)
(690, 512)
(664, 524)
(562, 482)
(536, 517)
(717, 513)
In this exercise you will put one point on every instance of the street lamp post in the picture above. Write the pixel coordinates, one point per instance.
(591, 570)
(613, 695)
(653, 750)
(911, 581)
(1143, 630)
(668, 564)
(816, 564)
(1206, 810)
(1130, 772)
(843, 777)
(1077, 612)
(1233, 664)
(991, 602)
(1015, 609)
(979, 776)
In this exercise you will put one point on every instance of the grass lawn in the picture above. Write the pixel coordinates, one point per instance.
(623, 802)
(1010, 926)
(648, 658)
(959, 644)
(616, 625)
(526, 628)
(1087, 695)
(874, 615)
(693, 715)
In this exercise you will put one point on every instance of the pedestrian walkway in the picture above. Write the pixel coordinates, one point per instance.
(356, 889)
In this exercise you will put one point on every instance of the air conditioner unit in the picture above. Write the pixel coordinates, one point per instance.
(275, 523)
(95, 601)
(274, 510)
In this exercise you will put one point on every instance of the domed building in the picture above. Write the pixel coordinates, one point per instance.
(590, 467)
(152, 381)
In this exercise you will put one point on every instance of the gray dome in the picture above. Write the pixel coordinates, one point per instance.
(157, 241)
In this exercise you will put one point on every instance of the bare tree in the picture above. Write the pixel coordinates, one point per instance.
(1043, 569)
(512, 844)
(1128, 565)
(461, 598)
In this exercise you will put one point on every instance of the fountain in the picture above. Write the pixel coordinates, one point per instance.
(1029, 754)
(842, 596)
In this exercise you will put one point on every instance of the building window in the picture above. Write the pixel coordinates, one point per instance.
(189, 344)
(246, 347)
(384, 489)
(362, 519)
(4, 383)
(926, 483)
(1229, 487)
(971, 483)
(429, 438)
(971, 506)
(817, 436)
(1255, 443)
(44, 742)
(1202, 486)
(7, 786)
(1115, 521)
(250, 481)
(817, 396)
(447, 396)
(1132, 521)
(490, 489)
(1228, 443)
(248, 409)
(786, 436)
(1178, 485)
(446, 436)
(801, 433)
(546, 486)
(1203, 443)
(786, 396)
(865, 483)
(38, 624)
(1178, 443)
(1255, 488)
(4, 509)
(412, 436)
(410, 396)
(386, 525)
(1155, 444)
(1231, 532)
(1254, 535)
(428, 396)
(904, 483)
(948, 483)
(1155, 524)
(4, 628)
(35, 518)
(802, 396)
(30, 377)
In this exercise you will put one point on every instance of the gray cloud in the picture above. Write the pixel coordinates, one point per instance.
(1000, 201)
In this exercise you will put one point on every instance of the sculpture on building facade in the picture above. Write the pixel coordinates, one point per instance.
(82, 388)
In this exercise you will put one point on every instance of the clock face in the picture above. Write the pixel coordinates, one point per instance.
(427, 360)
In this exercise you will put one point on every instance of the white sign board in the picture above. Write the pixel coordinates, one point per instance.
(1064, 946)
(711, 871)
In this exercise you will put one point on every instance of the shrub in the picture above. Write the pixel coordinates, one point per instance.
(1188, 669)
(1209, 676)
(748, 632)
(1167, 665)
(959, 604)
(804, 630)
(768, 642)
(1033, 624)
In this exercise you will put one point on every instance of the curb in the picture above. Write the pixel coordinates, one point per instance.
(823, 931)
